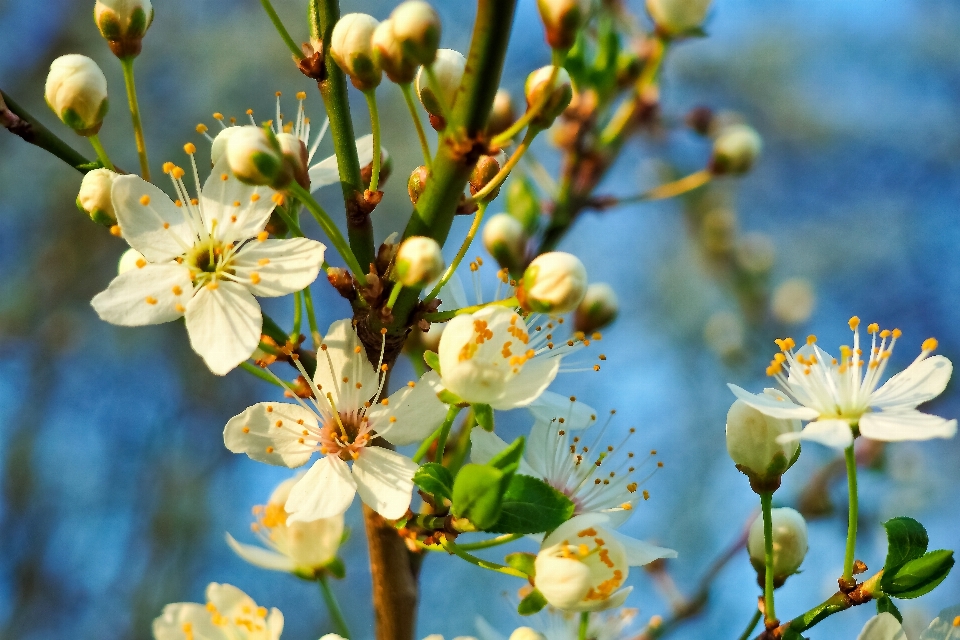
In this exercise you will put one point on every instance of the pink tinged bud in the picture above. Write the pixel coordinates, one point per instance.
(351, 46)
(448, 67)
(598, 308)
(94, 198)
(76, 90)
(789, 543)
(549, 88)
(418, 262)
(417, 29)
(554, 282)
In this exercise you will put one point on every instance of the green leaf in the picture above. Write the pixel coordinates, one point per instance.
(885, 605)
(522, 561)
(906, 540)
(336, 568)
(530, 505)
(918, 577)
(532, 604)
(477, 494)
(484, 416)
(432, 360)
(508, 460)
(435, 479)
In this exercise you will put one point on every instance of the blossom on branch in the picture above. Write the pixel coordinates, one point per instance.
(229, 614)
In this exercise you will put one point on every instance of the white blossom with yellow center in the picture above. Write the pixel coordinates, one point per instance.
(229, 614)
(291, 547)
(204, 259)
(838, 394)
(341, 422)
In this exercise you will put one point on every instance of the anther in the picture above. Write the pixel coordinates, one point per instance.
(872, 328)
(218, 116)
(145, 200)
(930, 344)
(190, 148)
(202, 128)
(854, 323)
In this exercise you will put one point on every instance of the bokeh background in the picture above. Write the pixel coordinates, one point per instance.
(117, 490)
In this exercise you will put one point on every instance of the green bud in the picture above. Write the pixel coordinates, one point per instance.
(523, 203)
(789, 543)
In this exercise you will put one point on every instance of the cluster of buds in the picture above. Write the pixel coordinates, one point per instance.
(123, 23)
(418, 262)
(753, 442)
(554, 282)
(502, 114)
(789, 544)
(76, 90)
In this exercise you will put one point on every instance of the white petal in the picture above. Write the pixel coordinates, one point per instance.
(260, 557)
(169, 625)
(942, 626)
(233, 210)
(485, 445)
(326, 490)
(614, 601)
(569, 529)
(905, 424)
(564, 582)
(918, 383)
(152, 228)
(255, 432)
(148, 295)
(275, 623)
(412, 413)
(535, 376)
(226, 598)
(775, 407)
(553, 406)
(343, 365)
(639, 552)
(385, 481)
(326, 171)
(882, 627)
(278, 267)
(832, 433)
(224, 325)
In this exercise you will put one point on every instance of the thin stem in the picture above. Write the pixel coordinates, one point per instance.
(584, 625)
(297, 316)
(336, 615)
(529, 115)
(290, 221)
(371, 96)
(628, 108)
(445, 432)
(407, 89)
(446, 315)
(287, 40)
(463, 443)
(311, 318)
(426, 444)
(670, 189)
(19, 122)
(492, 542)
(848, 558)
(498, 179)
(766, 502)
(333, 233)
(751, 625)
(453, 548)
(128, 79)
(101, 152)
(464, 247)
(259, 373)
(394, 294)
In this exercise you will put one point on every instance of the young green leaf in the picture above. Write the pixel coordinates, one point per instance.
(477, 494)
(906, 540)
(885, 605)
(484, 416)
(918, 577)
(532, 604)
(508, 460)
(435, 479)
(530, 505)
(432, 360)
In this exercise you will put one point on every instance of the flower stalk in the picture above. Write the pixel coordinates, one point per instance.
(328, 226)
(848, 558)
(769, 612)
(101, 152)
(333, 607)
(130, 82)
(282, 30)
(407, 89)
(371, 96)
(464, 247)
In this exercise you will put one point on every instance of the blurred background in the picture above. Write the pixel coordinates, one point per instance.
(116, 487)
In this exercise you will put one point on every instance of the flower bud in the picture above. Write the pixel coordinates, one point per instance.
(735, 150)
(76, 90)
(398, 67)
(255, 157)
(554, 282)
(417, 28)
(448, 67)
(296, 157)
(555, 96)
(351, 46)
(598, 308)
(505, 240)
(523, 203)
(562, 19)
(417, 183)
(678, 18)
(501, 115)
(789, 543)
(485, 170)
(131, 259)
(752, 444)
(756, 253)
(123, 23)
(94, 198)
(526, 633)
(219, 145)
(793, 301)
(418, 262)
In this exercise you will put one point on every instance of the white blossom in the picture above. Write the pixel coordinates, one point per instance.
(229, 614)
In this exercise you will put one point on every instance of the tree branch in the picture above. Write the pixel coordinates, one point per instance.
(16, 120)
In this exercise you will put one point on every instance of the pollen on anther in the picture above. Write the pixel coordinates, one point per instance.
(854, 323)
(263, 235)
(811, 339)
(201, 128)
(596, 367)
(930, 344)
(144, 200)
(301, 95)
(246, 429)
(224, 177)
(151, 300)
(141, 263)
(269, 449)
(254, 197)
(179, 308)
(190, 148)
(411, 384)
(646, 494)
(177, 290)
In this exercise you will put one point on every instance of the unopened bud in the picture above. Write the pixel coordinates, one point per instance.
(526, 633)
(549, 89)
(506, 241)
(700, 119)
(418, 262)
(793, 301)
(448, 67)
(502, 114)
(562, 20)
(351, 46)
(554, 282)
(523, 203)
(678, 18)
(255, 157)
(219, 146)
(789, 543)
(94, 198)
(756, 253)
(129, 260)
(123, 23)
(417, 28)
(296, 157)
(752, 444)
(398, 67)
(485, 170)
(417, 183)
(76, 90)
(598, 308)
(735, 150)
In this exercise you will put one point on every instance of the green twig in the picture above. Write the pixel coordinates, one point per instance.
(287, 40)
(128, 80)
(848, 558)
(443, 316)
(333, 233)
(492, 542)
(584, 625)
(407, 89)
(453, 548)
(101, 152)
(498, 179)
(751, 625)
(297, 316)
(311, 318)
(445, 432)
(371, 96)
(259, 373)
(336, 615)
(766, 502)
(426, 444)
(18, 121)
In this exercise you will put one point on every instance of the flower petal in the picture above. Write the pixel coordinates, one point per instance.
(326, 172)
(832, 433)
(159, 229)
(224, 324)
(572, 414)
(570, 528)
(169, 625)
(275, 623)
(326, 490)
(882, 627)
(385, 481)
(639, 552)
(918, 383)
(535, 376)
(778, 406)
(343, 365)
(153, 294)
(484, 445)
(233, 211)
(256, 432)
(260, 557)
(908, 424)
(412, 413)
(278, 267)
